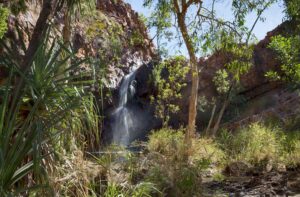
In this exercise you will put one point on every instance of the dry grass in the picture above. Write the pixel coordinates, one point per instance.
(75, 176)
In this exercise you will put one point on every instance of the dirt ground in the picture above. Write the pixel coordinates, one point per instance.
(272, 183)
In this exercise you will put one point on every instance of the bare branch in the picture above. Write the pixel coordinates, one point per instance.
(224, 23)
(190, 2)
(260, 12)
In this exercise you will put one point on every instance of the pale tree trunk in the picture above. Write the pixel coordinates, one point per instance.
(220, 116)
(195, 79)
(207, 131)
(217, 124)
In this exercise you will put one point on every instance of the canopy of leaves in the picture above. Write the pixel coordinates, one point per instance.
(204, 25)
(288, 50)
(169, 79)
(293, 10)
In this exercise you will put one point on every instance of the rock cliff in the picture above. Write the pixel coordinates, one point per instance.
(111, 32)
(258, 98)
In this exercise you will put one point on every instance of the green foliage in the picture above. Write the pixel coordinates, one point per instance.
(259, 144)
(218, 177)
(241, 61)
(221, 81)
(3, 20)
(167, 142)
(107, 159)
(169, 86)
(205, 149)
(20, 139)
(143, 189)
(292, 10)
(242, 8)
(290, 150)
(35, 118)
(143, 19)
(239, 55)
(113, 190)
(136, 39)
(288, 50)
(87, 8)
(18, 6)
(203, 22)
(169, 168)
(110, 32)
(161, 19)
(238, 61)
(127, 163)
(254, 144)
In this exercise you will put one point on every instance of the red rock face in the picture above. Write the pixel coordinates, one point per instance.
(264, 60)
(129, 19)
(131, 54)
(261, 95)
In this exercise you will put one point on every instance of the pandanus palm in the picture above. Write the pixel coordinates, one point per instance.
(30, 121)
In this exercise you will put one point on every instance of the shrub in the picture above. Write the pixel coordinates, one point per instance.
(169, 81)
(170, 169)
(136, 39)
(291, 149)
(114, 190)
(207, 149)
(167, 142)
(253, 145)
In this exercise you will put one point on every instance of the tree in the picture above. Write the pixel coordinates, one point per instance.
(239, 57)
(166, 9)
(292, 10)
(50, 9)
(235, 44)
(287, 47)
(169, 87)
(197, 24)
(48, 99)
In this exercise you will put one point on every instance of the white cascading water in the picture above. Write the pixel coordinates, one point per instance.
(124, 117)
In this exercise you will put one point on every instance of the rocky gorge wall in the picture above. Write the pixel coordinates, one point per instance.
(262, 98)
(258, 98)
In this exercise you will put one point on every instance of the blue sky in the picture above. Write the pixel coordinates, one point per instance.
(273, 17)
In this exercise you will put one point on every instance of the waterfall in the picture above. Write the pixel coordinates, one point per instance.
(124, 116)
(132, 118)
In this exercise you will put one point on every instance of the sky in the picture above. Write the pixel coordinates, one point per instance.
(273, 17)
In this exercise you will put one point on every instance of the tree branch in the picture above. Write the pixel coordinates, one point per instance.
(176, 6)
(255, 22)
(221, 22)
(190, 2)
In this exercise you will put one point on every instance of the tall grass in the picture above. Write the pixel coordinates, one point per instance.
(258, 144)
(169, 168)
